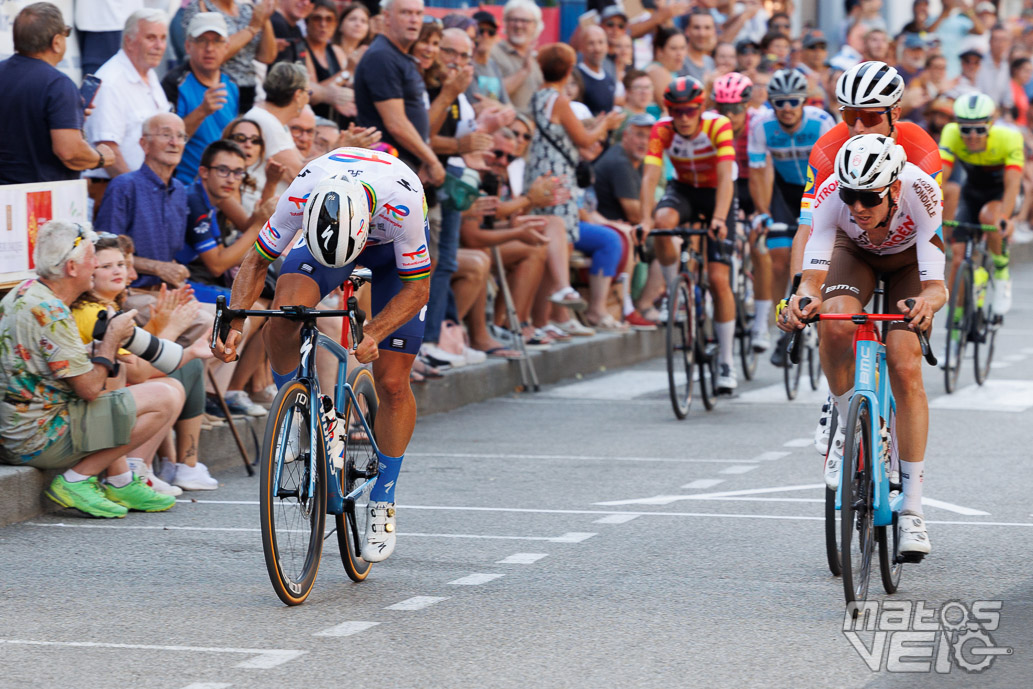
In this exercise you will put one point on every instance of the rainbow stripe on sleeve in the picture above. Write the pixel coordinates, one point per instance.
(264, 250)
(414, 274)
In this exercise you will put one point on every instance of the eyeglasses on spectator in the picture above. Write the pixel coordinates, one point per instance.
(244, 138)
(226, 172)
(503, 156)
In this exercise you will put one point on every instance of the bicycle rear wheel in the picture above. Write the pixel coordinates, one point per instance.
(832, 526)
(857, 513)
(359, 458)
(984, 328)
(681, 352)
(813, 365)
(791, 375)
(958, 326)
(292, 520)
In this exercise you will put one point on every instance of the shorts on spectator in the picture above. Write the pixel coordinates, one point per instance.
(93, 426)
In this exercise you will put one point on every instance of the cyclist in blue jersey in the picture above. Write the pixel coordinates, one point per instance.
(780, 141)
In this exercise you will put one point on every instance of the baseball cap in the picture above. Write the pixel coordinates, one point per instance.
(742, 45)
(913, 40)
(612, 11)
(483, 17)
(941, 104)
(986, 7)
(969, 53)
(204, 22)
(642, 119)
(812, 39)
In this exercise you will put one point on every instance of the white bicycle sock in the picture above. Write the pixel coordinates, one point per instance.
(763, 308)
(843, 404)
(911, 476)
(726, 341)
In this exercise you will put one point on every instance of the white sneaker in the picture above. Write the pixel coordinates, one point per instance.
(726, 379)
(1002, 297)
(834, 460)
(380, 538)
(439, 357)
(140, 468)
(194, 477)
(821, 433)
(474, 356)
(913, 536)
(761, 341)
(239, 402)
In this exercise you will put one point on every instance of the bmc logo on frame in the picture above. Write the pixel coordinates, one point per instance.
(917, 636)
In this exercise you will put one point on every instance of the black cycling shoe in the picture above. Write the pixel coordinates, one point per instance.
(778, 357)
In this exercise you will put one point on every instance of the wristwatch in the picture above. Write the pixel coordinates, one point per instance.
(100, 160)
(107, 363)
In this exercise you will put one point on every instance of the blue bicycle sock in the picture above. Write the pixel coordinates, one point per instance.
(281, 378)
(384, 488)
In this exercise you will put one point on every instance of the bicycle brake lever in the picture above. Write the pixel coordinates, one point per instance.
(357, 320)
(923, 339)
(796, 339)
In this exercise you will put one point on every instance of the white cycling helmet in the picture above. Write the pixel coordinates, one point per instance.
(870, 85)
(869, 161)
(786, 83)
(337, 217)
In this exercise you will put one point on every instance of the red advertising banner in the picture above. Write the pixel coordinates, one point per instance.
(39, 213)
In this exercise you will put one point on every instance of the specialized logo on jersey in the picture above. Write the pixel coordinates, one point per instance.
(809, 186)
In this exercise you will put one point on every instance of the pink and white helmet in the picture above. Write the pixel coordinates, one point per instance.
(732, 88)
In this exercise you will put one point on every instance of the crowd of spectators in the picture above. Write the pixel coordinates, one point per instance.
(531, 155)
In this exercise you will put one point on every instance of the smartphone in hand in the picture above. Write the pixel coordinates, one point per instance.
(88, 90)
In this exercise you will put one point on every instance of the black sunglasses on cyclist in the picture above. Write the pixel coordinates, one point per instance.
(869, 118)
(974, 129)
(731, 108)
(779, 103)
(868, 199)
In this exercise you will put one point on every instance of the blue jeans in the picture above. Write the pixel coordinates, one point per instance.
(445, 265)
(603, 245)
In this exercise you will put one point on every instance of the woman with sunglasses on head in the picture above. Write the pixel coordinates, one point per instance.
(699, 145)
(780, 139)
(869, 102)
(878, 215)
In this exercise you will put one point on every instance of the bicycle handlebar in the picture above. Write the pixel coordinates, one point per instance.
(681, 232)
(796, 342)
(224, 317)
(973, 226)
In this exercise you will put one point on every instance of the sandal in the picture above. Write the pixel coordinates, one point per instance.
(504, 353)
(569, 297)
(426, 370)
(416, 377)
(573, 327)
(609, 324)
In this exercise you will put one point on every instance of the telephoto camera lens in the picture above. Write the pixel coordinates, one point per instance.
(164, 355)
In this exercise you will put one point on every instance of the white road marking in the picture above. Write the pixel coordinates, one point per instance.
(475, 579)
(616, 519)
(522, 559)
(702, 483)
(572, 458)
(1027, 350)
(1015, 357)
(951, 507)
(347, 629)
(573, 537)
(770, 456)
(776, 394)
(263, 658)
(416, 603)
(999, 364)
(798, 442)
(208, 685)
(623, 385)
(655, 500)
(740, 469)
(994, 395)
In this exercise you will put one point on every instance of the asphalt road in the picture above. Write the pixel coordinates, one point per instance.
(581, 537)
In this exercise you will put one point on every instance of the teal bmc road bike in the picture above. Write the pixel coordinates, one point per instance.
(867, 500)
(300, 481)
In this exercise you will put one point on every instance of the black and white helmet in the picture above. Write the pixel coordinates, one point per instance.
(787, 82)
(337, 221)
(869, 161)
(870, 85)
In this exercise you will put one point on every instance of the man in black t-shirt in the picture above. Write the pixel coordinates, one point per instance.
(42, 111)
(390, 93)
(618, 172)
(290, 41)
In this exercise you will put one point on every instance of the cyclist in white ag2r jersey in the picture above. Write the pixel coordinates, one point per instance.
(356, 206)
(878, 214)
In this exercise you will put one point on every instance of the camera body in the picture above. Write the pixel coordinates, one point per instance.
(164, 355)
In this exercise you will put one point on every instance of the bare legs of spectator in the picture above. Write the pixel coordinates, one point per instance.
(157, 405)
(470, 286)
(525, 266)
(652, 290)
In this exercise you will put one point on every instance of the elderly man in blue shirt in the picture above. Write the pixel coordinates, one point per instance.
(150, 206)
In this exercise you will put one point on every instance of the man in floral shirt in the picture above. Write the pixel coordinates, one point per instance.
(54, 412)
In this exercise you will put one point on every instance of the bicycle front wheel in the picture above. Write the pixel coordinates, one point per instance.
(813, 365)
(681, 353)
(745, 313)
(292, 518)
(959, 322)
(856, 509)
(791, 375)
(360, 457)
(832, 525)
(984, 327)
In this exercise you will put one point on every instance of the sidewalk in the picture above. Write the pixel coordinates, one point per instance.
(22, 487)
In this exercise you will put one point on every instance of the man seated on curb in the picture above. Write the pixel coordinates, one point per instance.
(54, 413)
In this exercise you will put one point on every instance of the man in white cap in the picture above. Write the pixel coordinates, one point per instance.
(202, 94)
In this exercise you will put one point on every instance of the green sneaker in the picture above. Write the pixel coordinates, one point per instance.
(138, 496)
(85, 496)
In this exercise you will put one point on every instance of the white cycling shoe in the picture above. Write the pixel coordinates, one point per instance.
(913, 536)
(761, 341)
(834, 460)
(821, 433)
(379, 541)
